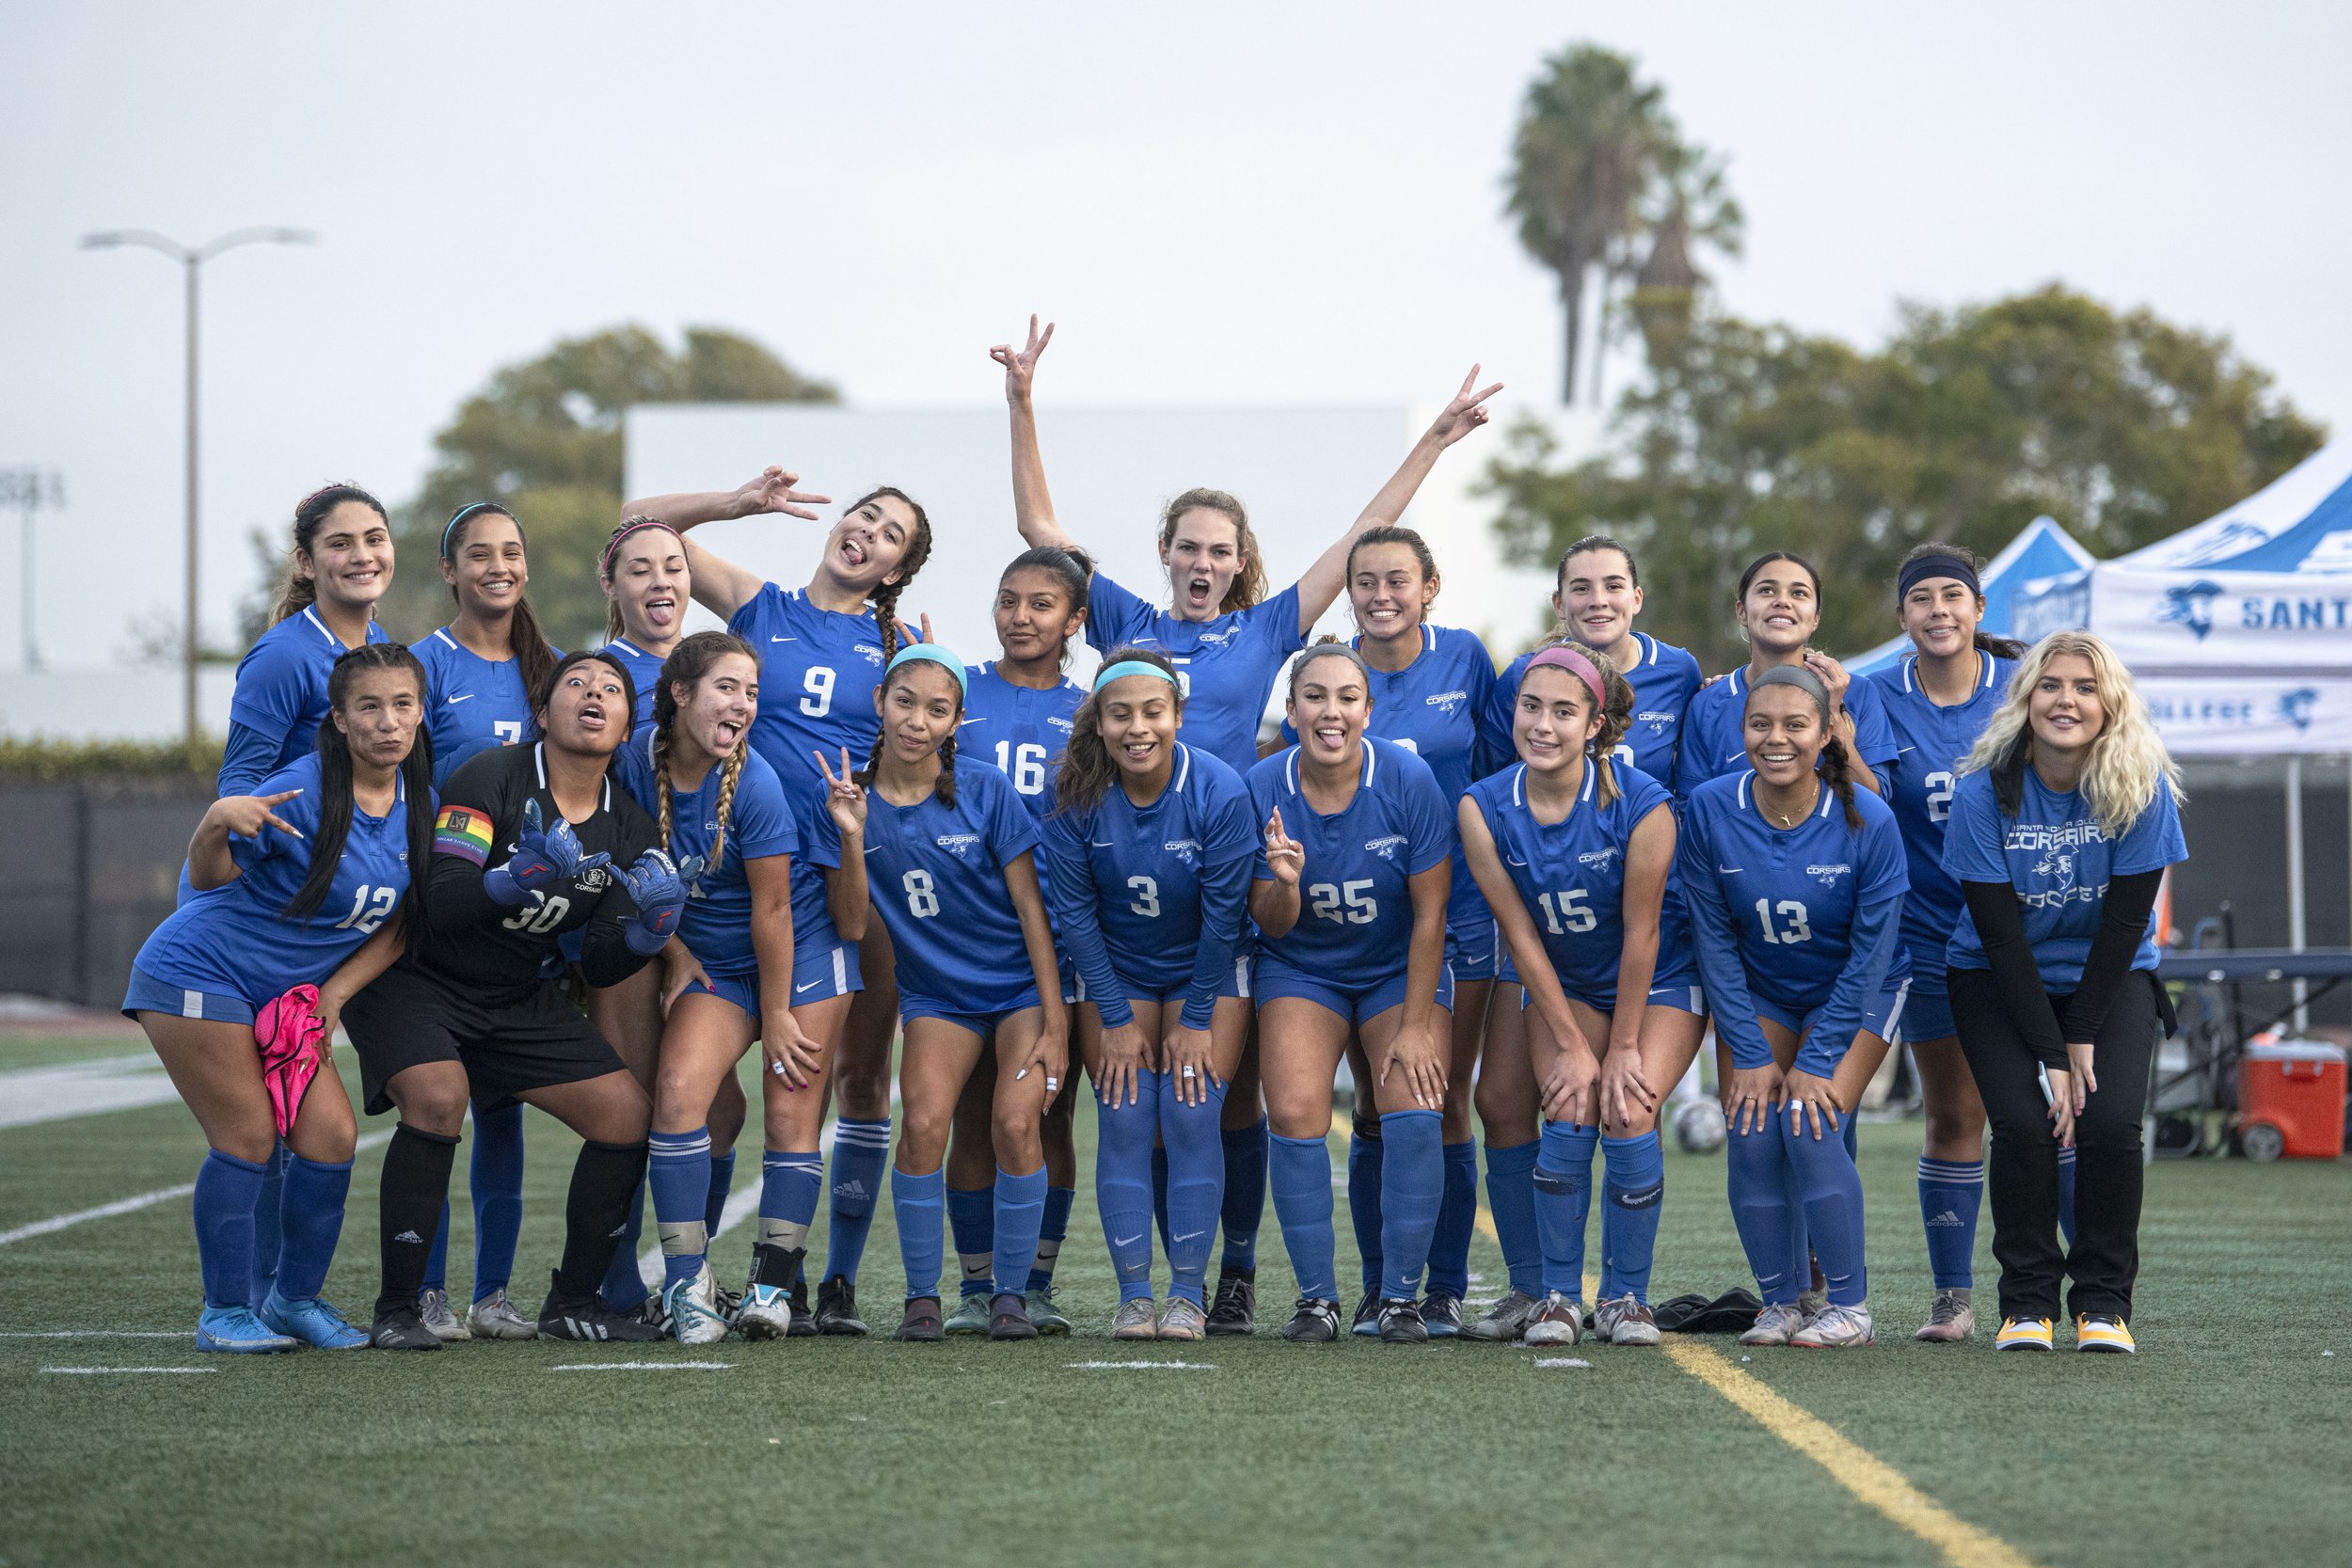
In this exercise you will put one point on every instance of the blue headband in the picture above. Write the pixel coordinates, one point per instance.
(938, 655)
(460, 516)
(1939, 565)
(1126, 666)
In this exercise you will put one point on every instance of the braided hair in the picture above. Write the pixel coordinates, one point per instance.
(1837, 763)
(885, 597)
(688, 663)
(899, 676)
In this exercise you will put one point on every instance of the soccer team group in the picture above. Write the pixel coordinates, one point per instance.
(592, 882)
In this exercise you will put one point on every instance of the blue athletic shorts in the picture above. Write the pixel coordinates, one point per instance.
(1237, 983)
(1474, 947)
(1276, 978)
(818, 973)
(1928, 1015)
(150, 996)
(1674, 984)
(1881, 1017)
(983, 1024)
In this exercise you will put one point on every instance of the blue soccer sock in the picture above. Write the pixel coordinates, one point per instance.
(496, 1180)
(624, 1288)
(1511, 1198)
(1051, 1232)
(1758, 1176)
(269, 1206)
(790, 1181)
(1832, 1192)
(1122, 1183)
(678, 1173)
(1194, 1157)
(1412, 1190)
(226, 1190)
(1950, 1193)
(436, 1257)
(972, 1221)
(721, 1183)
(1563, 1202)
(1159, 1194)
(2066, 1194)
(1364, 1160)
(1633, 1193)
(860, 1151)
(1019, 1210)
(916, 1202)
(1246, 1157)
(1458, 1214)
(313, 1223)
(1300, 1169)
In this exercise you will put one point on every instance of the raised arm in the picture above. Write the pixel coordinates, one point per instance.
(720, 586)
(1323, 580)
(1032, 504)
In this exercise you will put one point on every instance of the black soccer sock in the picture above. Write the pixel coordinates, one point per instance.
(595, 1215)
(416, 1185)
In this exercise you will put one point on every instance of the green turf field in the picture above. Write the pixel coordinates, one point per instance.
(2229, 1439)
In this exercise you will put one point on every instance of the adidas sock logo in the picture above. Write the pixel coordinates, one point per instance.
(410, 1236)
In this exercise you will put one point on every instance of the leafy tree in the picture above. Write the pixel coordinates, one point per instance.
(1969, 423)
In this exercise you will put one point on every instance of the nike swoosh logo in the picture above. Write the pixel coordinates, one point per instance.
(1905, 750)
(1127, 1241)
(1727, 870)
(467, 698)
(1515, 863)
(811, 986)
(1099, 843)
(982, 720)
(1191, 1235)
(783, 639)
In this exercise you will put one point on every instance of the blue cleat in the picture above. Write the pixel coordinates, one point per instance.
(314, 1322)
(237, 1332)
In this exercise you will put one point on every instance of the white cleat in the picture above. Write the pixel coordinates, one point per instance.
(442, 1319)
(1836, 1328)
(693, 1307)
(1774, 1324)
(1558, 1319)
(1136, 1319)
(493, 1317)
(766, 1312)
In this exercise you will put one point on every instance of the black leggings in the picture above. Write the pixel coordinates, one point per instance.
(2023, 1167)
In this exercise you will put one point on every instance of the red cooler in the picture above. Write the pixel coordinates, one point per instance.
(2290, 1098)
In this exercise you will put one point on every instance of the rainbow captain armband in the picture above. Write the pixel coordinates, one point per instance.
(463, 831)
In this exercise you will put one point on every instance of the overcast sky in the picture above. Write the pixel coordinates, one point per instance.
(1256, 204)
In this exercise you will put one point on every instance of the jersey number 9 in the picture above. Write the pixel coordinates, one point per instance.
(1362, 909)
(922, 899)
(818, 683)
(1793, 931)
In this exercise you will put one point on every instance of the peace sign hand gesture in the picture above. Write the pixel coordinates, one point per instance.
(1466, 412)
(1285, 855)
(245, 815)
(773, 492)
(1020, 368)
(845, 799)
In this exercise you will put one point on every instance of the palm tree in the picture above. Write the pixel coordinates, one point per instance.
(1692, 205)
(1591, 141)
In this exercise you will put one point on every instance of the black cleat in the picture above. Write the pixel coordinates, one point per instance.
(1009, 1318)
(837, 1310)
(1442, 1312)
(1401, 1323)
(589, 1321)
(804, 1324)
(923, 1326)
(1315, 1322)
(401, 1327)
(1366, 1322)
(1235, 1309)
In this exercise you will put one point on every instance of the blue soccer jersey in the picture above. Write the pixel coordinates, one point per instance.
(1570, 873)
(1714, 747)
(2059, 858)
(1020, 729)
(1783, 901)
(644, 673)
(1226, 667)
(1154, 900)
(937, 873)
(232, 939)
(471, 702)
(717, 925)
(1930, 744)
(280, 698)
(1664, 678)
(818, 672)
(1356, 907)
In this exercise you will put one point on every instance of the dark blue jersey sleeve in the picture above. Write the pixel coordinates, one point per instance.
(250, 756)
(1429, 822)
(1721, 969)
(1071, 893)
(1229, 850)
(1873, 946)
(1114, 616)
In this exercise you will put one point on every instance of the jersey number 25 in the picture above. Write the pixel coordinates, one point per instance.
(1362, 909)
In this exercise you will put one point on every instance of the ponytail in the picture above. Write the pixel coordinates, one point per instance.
(525, 644)
(1837, 773)
(885, 597)
(297, 592)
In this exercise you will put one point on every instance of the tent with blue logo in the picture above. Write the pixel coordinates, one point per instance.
(2043, 551)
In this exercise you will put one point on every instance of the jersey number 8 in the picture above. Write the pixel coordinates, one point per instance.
(1362, 909)
(922, 899)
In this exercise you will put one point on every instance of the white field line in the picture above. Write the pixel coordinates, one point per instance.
(644, 1366)
(132, 1205)
(1560, 1361)
(95, 1334)
(113, 1372)
(29, 1096)
(1140, 1366)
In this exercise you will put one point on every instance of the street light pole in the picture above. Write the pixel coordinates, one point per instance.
(30, 491)
(192, 260)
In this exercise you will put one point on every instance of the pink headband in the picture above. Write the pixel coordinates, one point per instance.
(1576, 664)
(635, 525)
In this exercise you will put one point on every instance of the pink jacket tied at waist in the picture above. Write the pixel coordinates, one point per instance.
(288, 1032)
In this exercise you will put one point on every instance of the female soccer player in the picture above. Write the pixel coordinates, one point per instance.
(720, 809)
(1937, 701)
(480, 672)
(821, 652)
(1350, 902)
(306, 883)
(1150, 847)
(1228, 640)
(531, 843)
(951, 857)
(646, 582)
(1019, 711)
(1795, 884)
(1573, 851)
(2066, 817)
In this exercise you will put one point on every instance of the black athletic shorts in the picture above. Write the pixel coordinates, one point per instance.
(406, 1017)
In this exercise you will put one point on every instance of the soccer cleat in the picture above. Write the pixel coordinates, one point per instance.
(651, 1313)
(970, 1318)
(442, 1319)
(1183, 1320)
(403, 1328)
(1836, 1328)
(1812, 1303)
(588, 1321)
(2023, 1334)
(1008, 1317)
(692, 1303)
(1134, 1320)
(1624, 1321)
(1366, 1324)
(1235, 1309)
(837, 1308)
(921, 1325)
(1401, 1323)
(766, 1312)
(1043, 1314)
(1558, 1319)
(730, 1303)
(1951, 1321)
(1774, 1324)
(237, 1331)
(493, 1317)
(1314, 1323)
(2102, 1331)
(314, 1322)
(1442, 1312)
(1505, 1322)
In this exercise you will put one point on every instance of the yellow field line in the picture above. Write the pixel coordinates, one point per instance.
(1873, 1481)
